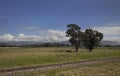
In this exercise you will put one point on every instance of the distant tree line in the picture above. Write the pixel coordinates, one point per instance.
(48, 44)
(7, 45)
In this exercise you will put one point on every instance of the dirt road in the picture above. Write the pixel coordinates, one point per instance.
(62, 65)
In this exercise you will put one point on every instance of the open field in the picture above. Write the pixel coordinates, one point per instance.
(100, 69)
(19, 57)
(104, 69)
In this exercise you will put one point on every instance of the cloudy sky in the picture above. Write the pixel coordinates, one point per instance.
(46, 20)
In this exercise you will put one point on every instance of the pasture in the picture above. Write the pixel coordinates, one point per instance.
(104, 69)
(19, 57)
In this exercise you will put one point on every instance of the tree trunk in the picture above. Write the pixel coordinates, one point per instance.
(76, 48)
(90, 50)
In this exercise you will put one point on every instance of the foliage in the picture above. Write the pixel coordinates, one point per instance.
(75, 35)
(88, 39)
(91, 38)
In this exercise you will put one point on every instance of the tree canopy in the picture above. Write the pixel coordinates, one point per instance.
(75, 35)
(91, 38)
(88, 39)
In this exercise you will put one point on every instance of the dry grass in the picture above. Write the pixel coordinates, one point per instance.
(19, 57)
(110, 69)
(104, 69)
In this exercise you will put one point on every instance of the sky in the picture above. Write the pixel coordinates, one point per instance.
(46, 20)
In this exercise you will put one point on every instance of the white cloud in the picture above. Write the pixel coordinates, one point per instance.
(111, 32)
(54, 35)
(45, 36)
(6, 37)
(23, 37)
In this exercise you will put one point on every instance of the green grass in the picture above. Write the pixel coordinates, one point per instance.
(19, 57)
(104, 69)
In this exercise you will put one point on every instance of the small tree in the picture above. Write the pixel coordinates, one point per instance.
(91, 38)
(75, 35)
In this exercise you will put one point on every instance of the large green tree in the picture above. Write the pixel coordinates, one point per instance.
(91, 38)
(75, 35)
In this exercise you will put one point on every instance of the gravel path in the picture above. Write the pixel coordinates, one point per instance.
(62, 65)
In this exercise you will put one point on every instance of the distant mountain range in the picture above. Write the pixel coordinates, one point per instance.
(18, 43)
(111, 43)
(103, 43)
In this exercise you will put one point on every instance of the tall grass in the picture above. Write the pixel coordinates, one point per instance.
(19, 57)
(103, 69)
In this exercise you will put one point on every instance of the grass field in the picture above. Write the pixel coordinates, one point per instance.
(104, 69)
(19, 57)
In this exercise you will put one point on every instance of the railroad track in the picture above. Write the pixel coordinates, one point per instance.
(62, 65)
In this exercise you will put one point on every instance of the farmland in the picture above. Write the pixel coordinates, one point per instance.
(19, 57)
